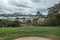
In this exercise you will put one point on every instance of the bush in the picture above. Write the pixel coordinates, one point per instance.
(28, 22)
(8, 23)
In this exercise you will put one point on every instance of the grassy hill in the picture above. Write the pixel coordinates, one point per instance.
(11, 33)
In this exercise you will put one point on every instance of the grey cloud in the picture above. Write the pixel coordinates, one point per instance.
(25, 6)
(35, 0)
(20, 4)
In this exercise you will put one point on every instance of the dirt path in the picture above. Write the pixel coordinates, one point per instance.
(32, 38)
(1, 38)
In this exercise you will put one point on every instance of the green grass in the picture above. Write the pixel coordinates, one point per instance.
(11, 33)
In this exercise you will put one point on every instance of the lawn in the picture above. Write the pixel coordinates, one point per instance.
(11, 33)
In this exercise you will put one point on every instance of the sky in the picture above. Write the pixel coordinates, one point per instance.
(26, 6)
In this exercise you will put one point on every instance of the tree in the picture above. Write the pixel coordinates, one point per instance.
(35, 21)
(28, 22)
(53, 15)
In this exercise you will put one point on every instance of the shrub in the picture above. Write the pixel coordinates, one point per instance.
(8, 23)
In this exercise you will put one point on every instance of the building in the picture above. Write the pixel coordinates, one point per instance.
(24, 18)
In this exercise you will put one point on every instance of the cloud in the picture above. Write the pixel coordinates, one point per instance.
(35, 0)
(26, 6)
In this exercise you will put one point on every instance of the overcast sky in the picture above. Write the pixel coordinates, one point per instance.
(26, 6)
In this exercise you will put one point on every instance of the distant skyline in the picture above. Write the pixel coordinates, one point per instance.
(26, 6)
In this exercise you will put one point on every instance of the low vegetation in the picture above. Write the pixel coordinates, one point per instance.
(8, 23)
(11, 33)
